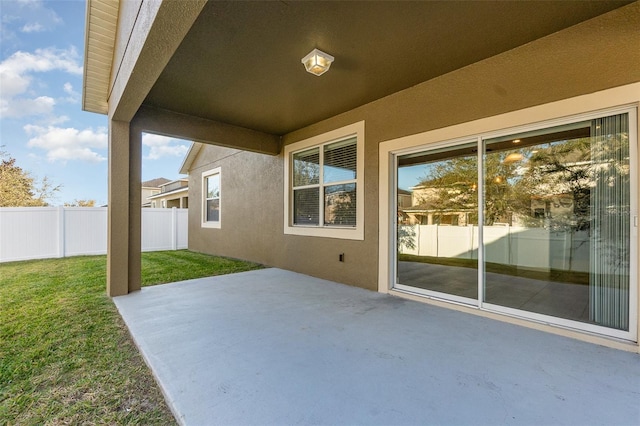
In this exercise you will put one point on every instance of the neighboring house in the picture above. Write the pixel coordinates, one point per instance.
(424, 209)
(404, 198)
(172, 194)
(151, 188)
(280, 153)
(549, 186)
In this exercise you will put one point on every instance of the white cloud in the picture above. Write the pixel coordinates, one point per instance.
(30, 15)
(43, 60)
(53, 120)
(162, 146)
(22, 107)
(34, 27)
(18, 18)
(74, 97)
(16, 76)
(63, 144)
(12, 82)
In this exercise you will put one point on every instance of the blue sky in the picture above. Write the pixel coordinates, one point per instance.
(42, 124)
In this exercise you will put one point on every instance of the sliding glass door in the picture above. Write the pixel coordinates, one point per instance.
(556, 209)
(437, 230)
(557, 221)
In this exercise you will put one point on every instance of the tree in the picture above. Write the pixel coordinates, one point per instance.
(81, 203)
(450, 185)
(19, 189)
(568, 168)
(513, 178)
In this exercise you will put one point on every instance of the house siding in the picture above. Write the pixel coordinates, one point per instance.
(595, 55)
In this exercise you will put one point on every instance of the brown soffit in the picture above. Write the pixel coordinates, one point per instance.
(100, 37)
(239, 63)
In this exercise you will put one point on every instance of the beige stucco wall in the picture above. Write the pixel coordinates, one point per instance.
(171, 200)
(252, 222)
(592, 56)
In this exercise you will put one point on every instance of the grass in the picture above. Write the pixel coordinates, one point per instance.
(556, 275)
(171, 266)
(66, 357)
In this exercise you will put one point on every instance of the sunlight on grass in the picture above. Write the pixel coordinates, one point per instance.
(170, 266)
(66, 357)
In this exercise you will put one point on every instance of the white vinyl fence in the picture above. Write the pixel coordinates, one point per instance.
(509, 245)
(48, 232)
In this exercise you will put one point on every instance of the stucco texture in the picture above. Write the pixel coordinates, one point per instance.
(598, 54)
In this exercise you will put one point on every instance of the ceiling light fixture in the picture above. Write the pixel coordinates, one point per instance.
(317, 62)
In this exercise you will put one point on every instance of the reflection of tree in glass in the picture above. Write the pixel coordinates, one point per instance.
(406, 237)
(306, 168)
(507, 193)
(559, 173)
(564, 167)
(340, 205)
(451, 186)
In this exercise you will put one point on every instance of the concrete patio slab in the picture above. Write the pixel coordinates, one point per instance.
(275, 347)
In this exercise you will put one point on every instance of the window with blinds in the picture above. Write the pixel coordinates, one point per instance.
(325, 185)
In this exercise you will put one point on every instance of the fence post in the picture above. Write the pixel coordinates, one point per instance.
(61, 236)
(470, 240)
(174, 229)
(509, 242)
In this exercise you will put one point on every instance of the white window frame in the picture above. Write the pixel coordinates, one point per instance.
(203, 211)
(321, 230)
(608, 102)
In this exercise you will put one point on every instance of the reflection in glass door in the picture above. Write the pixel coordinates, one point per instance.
(557, 221)
(437, 228)
(556, 243)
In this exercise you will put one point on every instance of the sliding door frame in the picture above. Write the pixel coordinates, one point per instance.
(486, 129)
(416, 290)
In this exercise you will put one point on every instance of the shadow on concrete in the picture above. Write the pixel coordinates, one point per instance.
(562, 300)
(275, 347)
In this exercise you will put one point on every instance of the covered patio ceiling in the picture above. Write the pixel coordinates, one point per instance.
(240, 61)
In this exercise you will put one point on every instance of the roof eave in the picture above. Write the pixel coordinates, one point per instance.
(165, 194)
(193, 151)
(96, 79)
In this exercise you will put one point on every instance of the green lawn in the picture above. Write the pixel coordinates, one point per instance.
(66, 357)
